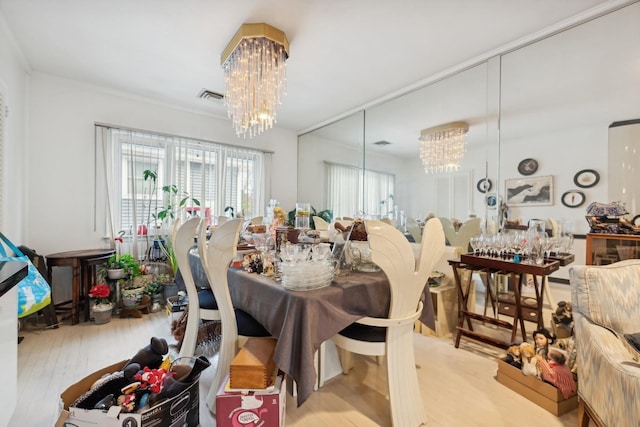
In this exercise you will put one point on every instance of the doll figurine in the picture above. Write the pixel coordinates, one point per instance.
(556, 372)
(530, 360)
(543, 338)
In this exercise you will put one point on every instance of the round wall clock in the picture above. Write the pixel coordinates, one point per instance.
(586, 178)
(573, 198)
(484, 185)
(492, 200)
(528, 166)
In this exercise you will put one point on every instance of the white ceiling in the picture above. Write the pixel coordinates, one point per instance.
(343, 53)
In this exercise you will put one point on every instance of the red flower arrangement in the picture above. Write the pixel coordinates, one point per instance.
(100, 293)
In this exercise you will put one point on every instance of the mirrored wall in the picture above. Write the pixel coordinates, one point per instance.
(551, 101)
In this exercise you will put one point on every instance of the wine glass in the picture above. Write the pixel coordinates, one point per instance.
(518, 243)
(547, 243)
(475, 242)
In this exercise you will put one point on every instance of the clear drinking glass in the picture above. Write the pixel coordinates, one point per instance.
(475, 242)
(303, 214)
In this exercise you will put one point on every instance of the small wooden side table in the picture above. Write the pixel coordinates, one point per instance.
(83, 263)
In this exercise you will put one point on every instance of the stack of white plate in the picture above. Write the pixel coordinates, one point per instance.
(308, 275)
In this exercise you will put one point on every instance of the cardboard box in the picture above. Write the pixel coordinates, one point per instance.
(179, 411)
(264, 408)
(253, 365)
(537, 391)
(175, 307)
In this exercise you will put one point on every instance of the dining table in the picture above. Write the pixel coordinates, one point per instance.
(302, 320)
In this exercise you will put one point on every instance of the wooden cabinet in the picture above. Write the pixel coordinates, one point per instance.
(605, 249)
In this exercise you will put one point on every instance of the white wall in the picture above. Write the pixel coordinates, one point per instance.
(559, 97)
(62, 113)
(14, 86)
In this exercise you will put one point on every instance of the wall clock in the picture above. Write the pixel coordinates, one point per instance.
(528, 166)
(484, 185)
(573, 198)
(586, 178)
(492, 200)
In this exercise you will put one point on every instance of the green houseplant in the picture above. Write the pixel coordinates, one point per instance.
(125, 263)
(176, 203)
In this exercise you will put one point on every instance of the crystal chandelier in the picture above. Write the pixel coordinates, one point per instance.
(442, 147)
(255, 77)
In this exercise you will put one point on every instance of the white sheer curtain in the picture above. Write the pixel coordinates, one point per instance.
(216, 175)
(345, 186)
(343, 189)
(379, 188)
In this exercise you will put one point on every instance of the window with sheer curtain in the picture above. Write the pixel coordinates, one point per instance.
(354, 192)
(216, 175)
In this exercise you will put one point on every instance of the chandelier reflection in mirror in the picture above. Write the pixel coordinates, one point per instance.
(442, 147)
(255, 77)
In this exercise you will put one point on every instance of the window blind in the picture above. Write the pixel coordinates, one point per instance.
(216, 175)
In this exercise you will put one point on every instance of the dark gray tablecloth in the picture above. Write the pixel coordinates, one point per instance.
(302, 320)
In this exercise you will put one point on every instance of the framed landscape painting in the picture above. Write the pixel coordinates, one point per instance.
(530, 191)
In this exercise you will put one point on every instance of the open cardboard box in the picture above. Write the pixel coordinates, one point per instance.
(180, 410)
(537, 391)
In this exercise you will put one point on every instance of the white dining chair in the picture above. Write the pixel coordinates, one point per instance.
(216, 257)
(182, 245)
(414, 229)
(461, 237)
(468, 229)
(321, 226)
(256, 220)
(393, 336)
(449, 230)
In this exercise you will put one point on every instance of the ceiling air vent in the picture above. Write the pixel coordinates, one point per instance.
(381, 143)
(210, 95)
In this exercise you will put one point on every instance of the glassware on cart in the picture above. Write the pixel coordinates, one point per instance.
(475, 243)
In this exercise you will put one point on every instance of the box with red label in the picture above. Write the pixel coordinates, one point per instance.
(251, 408)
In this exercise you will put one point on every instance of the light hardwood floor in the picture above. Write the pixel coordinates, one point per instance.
(458, 386)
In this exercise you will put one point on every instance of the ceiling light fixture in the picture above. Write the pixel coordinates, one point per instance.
(255, 77)
(442, 147)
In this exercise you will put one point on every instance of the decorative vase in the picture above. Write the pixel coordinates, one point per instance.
(102, 313)
(131, 297)
(117, 273)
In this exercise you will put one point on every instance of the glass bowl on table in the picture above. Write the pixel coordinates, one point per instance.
(306, 275)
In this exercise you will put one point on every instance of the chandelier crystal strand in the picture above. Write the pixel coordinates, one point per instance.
(442, 147)
(255, 80)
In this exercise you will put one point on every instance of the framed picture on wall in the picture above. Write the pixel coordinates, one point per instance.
(536, 191)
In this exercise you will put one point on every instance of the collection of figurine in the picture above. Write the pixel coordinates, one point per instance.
(147, 379)
(549, 358)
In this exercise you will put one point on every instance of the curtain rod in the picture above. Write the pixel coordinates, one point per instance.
(170, 135)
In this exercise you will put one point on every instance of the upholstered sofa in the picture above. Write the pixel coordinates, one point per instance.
(606, 306)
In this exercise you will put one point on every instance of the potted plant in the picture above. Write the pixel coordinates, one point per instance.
(103, 305)
(119, 266)
(177, 201)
